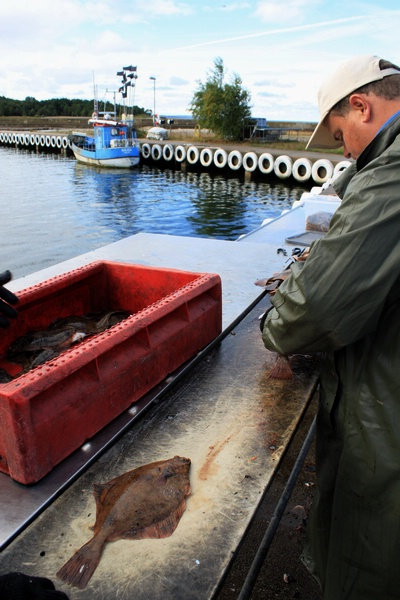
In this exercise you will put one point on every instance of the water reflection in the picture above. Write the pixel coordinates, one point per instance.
(53, 208)
(178, 202)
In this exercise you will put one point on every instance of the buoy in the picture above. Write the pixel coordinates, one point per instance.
(145, 150)
(206, 157)
(47, 141)
(65, 142)
(322, 170)
(192, 155)
(266, 163)
(235, 160)
(59, 141)
(283, 166)
(301, 169)
(32, 139)
(341, 166)
(180, 153)
(220, 158)
(156, 152)
(168, 152)
(27, 139)
(250, 161)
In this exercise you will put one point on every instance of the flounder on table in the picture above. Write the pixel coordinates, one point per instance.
(147, 502)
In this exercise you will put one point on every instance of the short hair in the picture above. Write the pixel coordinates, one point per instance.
(388, 88)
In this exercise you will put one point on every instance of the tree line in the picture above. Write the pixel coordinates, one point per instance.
(57, 107)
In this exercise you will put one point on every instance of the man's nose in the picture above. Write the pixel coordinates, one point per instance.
(346, 152)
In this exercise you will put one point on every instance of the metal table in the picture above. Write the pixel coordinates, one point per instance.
(234, 423)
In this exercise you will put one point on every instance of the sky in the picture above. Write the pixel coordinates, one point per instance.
(281, 50)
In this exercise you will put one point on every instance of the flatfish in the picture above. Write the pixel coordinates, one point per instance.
(147, 502)
(37, 347)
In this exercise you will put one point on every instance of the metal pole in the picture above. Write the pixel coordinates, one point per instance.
(154, 97)
(265, 544)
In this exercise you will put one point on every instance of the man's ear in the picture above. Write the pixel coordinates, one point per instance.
(361, 104)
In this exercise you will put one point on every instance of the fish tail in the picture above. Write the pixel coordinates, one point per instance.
(281, 369)
(78, 570)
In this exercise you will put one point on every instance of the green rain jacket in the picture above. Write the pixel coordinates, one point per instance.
(344, 301)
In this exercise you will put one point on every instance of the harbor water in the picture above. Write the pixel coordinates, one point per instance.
(53, 208)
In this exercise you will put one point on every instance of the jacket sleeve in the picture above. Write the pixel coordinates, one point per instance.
(337, 296)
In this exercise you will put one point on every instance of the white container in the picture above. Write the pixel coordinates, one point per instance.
(319, 203)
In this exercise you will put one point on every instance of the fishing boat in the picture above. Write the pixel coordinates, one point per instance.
(113, 143)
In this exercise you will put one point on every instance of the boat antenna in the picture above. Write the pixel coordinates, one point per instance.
(95, 100)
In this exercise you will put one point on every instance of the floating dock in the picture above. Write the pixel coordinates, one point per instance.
(302, 167)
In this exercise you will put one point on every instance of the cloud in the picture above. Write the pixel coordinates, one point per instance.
(271, 32)
(269, 95)
(272, 10)
(178, 81)
(276, 83)
(159, 8)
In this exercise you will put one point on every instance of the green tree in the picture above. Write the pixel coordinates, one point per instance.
(222, 107)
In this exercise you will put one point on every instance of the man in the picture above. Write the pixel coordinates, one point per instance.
(344, 301)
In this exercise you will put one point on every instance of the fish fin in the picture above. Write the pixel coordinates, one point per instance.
(161, 529)
(100, 490)
(281, 369)
(78, 570)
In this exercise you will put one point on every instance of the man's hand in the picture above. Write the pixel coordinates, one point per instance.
(6, 299)
(17, 586)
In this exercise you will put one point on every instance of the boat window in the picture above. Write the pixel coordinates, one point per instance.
(114, 131)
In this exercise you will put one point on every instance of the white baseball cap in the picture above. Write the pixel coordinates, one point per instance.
(348, 77)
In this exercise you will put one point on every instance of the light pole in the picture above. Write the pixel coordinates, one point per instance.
(154, 97)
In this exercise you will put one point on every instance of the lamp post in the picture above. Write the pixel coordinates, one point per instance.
(154, 97)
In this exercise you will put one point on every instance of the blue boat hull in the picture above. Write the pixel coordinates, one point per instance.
(125, 157)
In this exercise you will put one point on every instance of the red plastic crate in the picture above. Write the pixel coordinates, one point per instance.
(50, 411)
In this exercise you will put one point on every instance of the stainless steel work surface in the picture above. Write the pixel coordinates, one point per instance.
(239, 265)
(234, 423)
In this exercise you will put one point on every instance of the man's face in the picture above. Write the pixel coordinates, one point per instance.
(349, 131)
(359, 125)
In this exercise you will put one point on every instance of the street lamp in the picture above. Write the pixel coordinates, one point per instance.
(154, 97)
